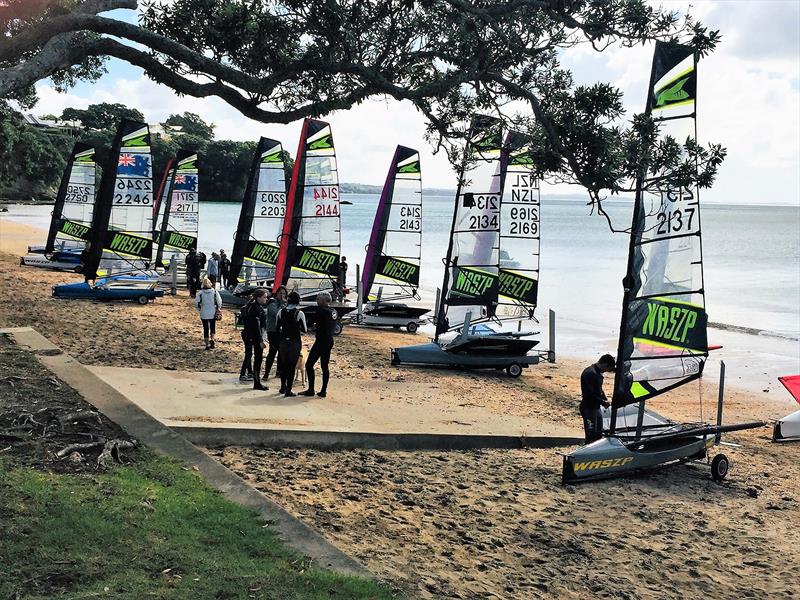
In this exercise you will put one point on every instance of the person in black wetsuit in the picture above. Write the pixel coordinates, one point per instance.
(593, 397)
(274, 306)
(323, 344)
(291, 322)
(255, 322)
(85, 253)
(192, 272)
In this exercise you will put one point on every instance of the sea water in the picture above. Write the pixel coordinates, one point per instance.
(751, 265)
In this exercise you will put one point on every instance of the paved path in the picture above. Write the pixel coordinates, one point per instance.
(218, 400)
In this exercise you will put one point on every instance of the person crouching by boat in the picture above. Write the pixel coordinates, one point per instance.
(192, 272)
(593, 397)
(291, 323)
(254, 325)
(323, 344)
(208, 303)
(274, 306)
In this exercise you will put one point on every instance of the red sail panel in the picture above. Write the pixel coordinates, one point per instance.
(792, 383)
(286, 240)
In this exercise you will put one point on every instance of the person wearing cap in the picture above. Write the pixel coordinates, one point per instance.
(593, 397)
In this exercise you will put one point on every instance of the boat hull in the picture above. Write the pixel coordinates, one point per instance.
(58, 261)
(393, 315)
(117, 290)
(610, 457)
(787, 429)
(432, 354)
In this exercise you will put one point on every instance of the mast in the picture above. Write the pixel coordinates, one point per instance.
(663, 342)
(161, 211)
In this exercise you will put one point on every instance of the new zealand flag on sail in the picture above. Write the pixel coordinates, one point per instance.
(186, 183)
(134, 165)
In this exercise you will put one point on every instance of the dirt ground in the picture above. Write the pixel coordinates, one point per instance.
(488, 524)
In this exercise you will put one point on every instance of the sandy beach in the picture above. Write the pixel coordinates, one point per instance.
(479, 524)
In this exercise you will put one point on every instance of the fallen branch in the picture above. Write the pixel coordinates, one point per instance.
(78, 448)
(81, 415)
(111, 450)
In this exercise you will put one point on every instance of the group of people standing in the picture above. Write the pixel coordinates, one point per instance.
(217, 269)
(276, 323)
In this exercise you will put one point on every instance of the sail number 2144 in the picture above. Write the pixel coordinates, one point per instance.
(326, 201)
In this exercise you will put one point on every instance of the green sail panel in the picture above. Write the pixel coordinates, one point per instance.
(663, 338)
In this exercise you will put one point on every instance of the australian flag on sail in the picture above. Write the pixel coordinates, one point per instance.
(135, 165)
(185, 182)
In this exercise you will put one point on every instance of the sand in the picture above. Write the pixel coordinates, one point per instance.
(490, 524)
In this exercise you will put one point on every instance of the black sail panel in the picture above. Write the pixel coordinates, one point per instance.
(663, 339)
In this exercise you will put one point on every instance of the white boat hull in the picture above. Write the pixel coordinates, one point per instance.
(787, 428)
(42, 262)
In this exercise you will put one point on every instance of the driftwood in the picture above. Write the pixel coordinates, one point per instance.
(110, 452)
(81, 415)
(78, 447)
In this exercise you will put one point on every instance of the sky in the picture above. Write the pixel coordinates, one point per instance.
(748, 100)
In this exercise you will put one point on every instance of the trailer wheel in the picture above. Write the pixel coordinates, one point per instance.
(719, 467)
(78, 269)
(337, 327)
(411, 327)
(514, 370)
(143, 300)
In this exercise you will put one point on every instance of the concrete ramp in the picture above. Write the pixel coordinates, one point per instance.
(215, 409)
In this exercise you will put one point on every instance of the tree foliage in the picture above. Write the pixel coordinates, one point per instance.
(101, 116)
(192, 124)
(278, 61)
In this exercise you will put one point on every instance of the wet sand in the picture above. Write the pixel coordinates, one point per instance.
(491, 524)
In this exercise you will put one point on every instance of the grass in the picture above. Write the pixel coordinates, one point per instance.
(147, 530)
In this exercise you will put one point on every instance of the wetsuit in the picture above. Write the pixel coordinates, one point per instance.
(321, 350)
(254, 323)
(192, 273)
(291, 322)
(273, 339)
(592, 398)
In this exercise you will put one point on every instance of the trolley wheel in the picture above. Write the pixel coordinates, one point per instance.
(78, 269)
(719, 467)
(395, 360)
(514, 370)
(337, 327)
(143, 300)
(412, 327)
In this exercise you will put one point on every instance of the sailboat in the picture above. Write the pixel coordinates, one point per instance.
(478, 290)
(255, 246)
(392, 264)
(71, 217)
(788, 428)
(663, 343)
(121, 235)
(309, 245)
(176, 216)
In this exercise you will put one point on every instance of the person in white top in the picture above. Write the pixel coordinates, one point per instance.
(208, 302)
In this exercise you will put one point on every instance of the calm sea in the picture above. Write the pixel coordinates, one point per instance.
(751, 256)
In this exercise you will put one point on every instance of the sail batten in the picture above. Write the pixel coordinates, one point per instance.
(663, 335)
